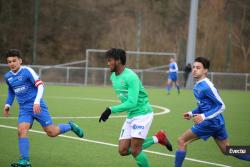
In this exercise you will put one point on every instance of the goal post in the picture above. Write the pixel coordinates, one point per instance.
(91, 52)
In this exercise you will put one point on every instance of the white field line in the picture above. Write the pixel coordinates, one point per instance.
(164, 110)
(115, 145)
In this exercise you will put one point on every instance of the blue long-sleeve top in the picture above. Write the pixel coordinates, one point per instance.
(209, 102)
(23, 85)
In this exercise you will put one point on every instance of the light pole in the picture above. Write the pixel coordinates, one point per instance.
(192, 37)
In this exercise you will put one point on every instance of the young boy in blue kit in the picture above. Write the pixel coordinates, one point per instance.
(207, 117)
(24, 84)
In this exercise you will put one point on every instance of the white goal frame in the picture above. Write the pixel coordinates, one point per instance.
(135, 53)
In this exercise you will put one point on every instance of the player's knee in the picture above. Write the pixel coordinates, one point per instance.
(51, 133)
(135, 151)
(123, 151)
(22, 132)
(181, 141)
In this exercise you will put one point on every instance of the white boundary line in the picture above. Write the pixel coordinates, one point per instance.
(115, 145)
(165, 110)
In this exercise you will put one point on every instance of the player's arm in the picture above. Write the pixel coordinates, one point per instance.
(191, 114)
(9, 101)
(175, 67)
(34, 78)
(133, 93)
(219, 105)
(40, 90)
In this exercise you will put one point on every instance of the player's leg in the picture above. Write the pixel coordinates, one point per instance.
(136, 129)
(186, 138)
(177, 86)
(161, 138)
(124, 147)
(136, 150)
(24, 123)
(127, 147)
(169, 85)
(140, 126)
(175, 81)
(222, 145)
(23, 140)
(52, 130)
(221, 139)
(125, 138)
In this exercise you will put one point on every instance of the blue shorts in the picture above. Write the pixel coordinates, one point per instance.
(172, 76)
(26, 114)
(205, 129)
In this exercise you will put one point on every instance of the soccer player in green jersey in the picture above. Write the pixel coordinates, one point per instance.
(134, 100)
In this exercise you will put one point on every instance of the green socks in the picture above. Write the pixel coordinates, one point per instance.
(146, 144)
(142, 160)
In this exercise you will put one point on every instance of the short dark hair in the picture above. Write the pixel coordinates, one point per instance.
(117, 54)
(13, 53)
(204, 61)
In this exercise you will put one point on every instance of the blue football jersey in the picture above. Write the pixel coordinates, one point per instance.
(173, 67)
(209, 101)
(22, 84)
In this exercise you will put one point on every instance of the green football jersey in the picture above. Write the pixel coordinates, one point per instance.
(130, 91)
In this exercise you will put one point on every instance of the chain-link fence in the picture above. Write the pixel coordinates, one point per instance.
(153, 78)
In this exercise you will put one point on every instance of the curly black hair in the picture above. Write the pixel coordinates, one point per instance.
(13, 53)
(117, 54)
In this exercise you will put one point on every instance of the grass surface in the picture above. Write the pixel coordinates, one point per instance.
(66, 101)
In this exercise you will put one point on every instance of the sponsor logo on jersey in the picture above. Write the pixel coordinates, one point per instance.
(20, 89)
(138, 126)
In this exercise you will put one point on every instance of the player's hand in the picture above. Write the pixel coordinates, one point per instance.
(6, 111)
(198, 118)
(36, 108)
(186, 116)
(105, 115)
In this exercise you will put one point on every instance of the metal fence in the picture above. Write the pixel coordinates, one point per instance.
(153, 78)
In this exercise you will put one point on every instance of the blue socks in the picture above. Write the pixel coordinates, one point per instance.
(178, 88)
(168, 88)
(179, 157)
(64, 128)
(24, 148)
(243, 157)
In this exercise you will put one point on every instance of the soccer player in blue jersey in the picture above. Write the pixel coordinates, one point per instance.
(207, 117)
(172, 76)
(24, 84)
